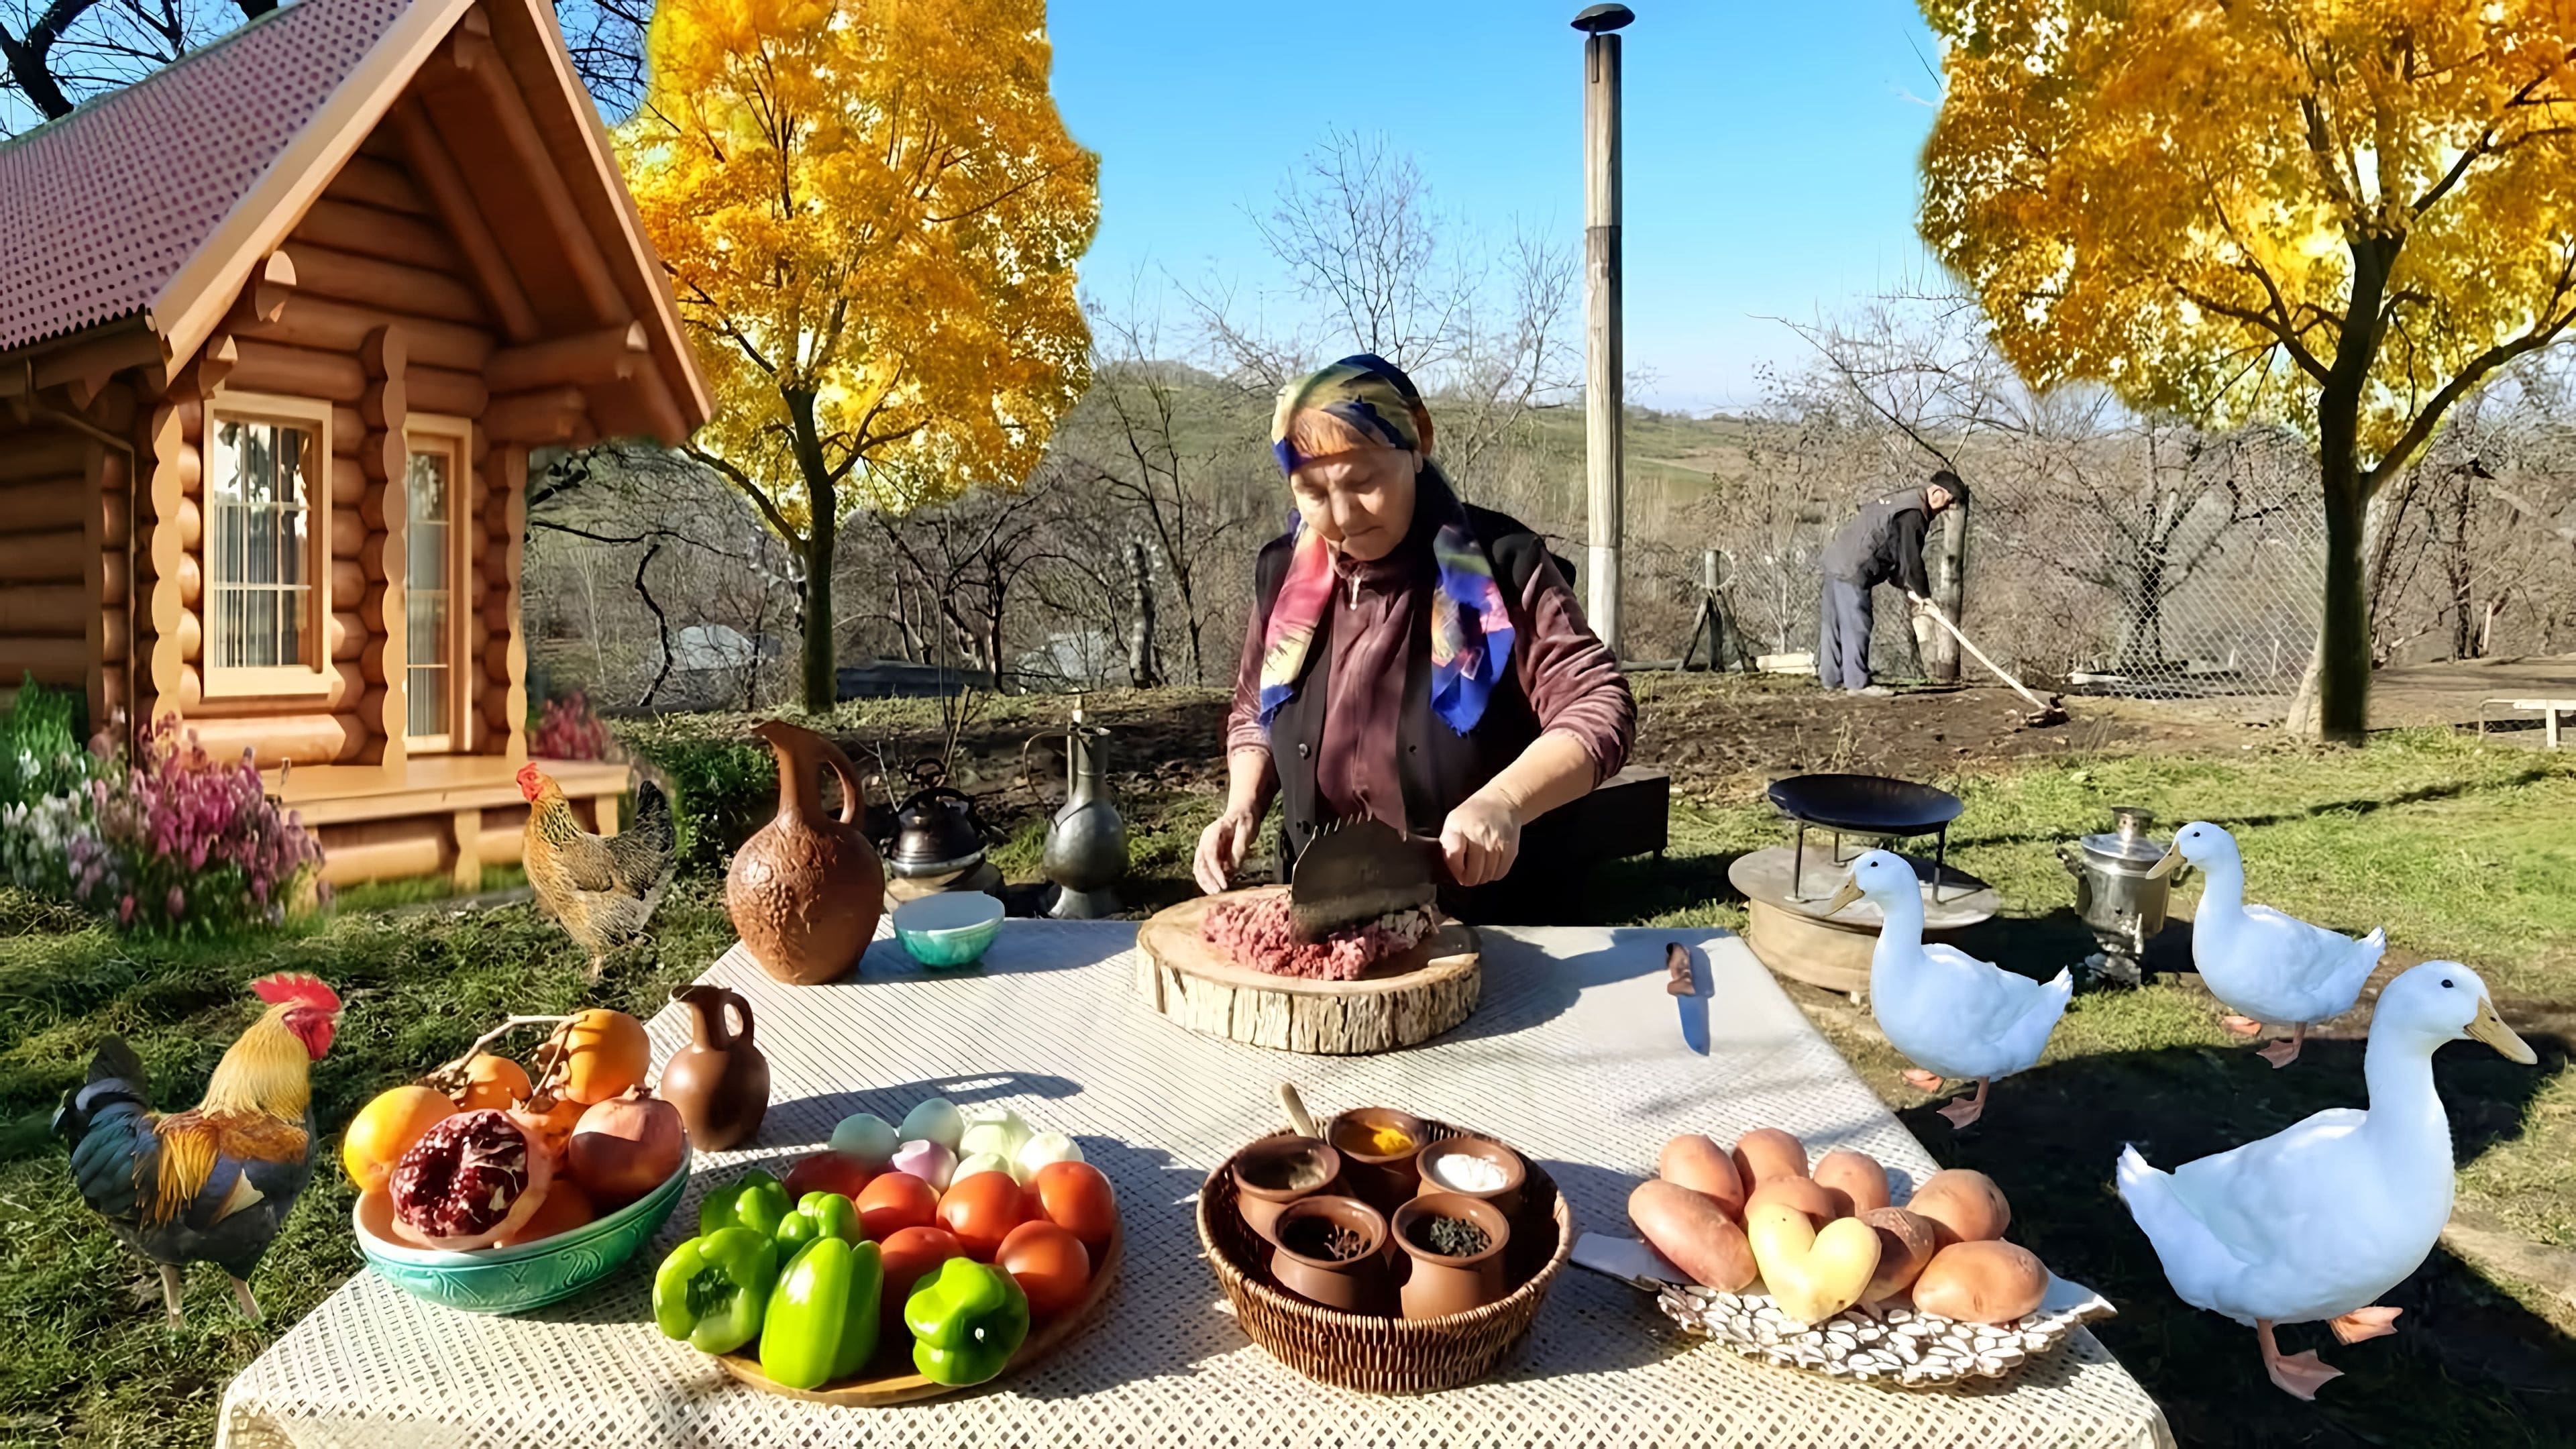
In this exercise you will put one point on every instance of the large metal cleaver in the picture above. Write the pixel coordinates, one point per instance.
(1356, 871)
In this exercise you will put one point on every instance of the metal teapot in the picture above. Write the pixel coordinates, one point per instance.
(936, 829)
(2116, 898)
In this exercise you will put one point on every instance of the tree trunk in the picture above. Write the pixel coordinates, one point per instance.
(822, 535)
(2343, 643)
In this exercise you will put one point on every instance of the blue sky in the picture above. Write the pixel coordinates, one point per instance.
(1770, 146)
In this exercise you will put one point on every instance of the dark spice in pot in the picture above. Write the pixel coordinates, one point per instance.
(1321, 1238)
(1449, 1237)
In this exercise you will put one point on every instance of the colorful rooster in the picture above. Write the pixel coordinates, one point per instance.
(602, 888)
(212, 1184)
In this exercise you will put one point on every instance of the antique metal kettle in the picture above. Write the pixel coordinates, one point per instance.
(2116, 898)
(936, 829)
(1086, 844)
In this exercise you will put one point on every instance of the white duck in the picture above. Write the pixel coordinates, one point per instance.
(1943, 1008)
(2261, 964)
(2318, 1220)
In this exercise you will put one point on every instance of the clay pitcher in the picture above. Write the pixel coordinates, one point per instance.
(805, 892)
(720, 1081)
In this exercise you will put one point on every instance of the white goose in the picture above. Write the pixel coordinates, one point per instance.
(1943, 1008)
(2262, 964)
(2318, 1220)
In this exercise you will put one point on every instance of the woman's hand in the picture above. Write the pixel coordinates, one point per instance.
(1481, 838)
(1223, 847)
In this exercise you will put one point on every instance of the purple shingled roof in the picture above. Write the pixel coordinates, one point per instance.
(100, 209)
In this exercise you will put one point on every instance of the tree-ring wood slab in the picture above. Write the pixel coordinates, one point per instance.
(1405, 999)
(883, 1387)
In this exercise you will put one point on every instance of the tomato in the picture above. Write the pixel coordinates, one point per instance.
(909, 1254)
(893, 1201)
(1075, 1197)
(829, 1172)
(1049, 1264)
(981, 1210)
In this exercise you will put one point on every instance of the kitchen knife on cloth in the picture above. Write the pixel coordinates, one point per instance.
(1689, 990)
(1356, 871)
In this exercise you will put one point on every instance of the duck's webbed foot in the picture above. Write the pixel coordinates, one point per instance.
(2364, 1323)
(2242, 1025)
(1965, 1111)
(2299, 1375)
(2282, 1053)
(1921, 1080)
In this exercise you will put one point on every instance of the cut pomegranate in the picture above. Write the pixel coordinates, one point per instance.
(469, 1181)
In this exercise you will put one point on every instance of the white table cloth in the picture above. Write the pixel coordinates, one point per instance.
(1575, 1056)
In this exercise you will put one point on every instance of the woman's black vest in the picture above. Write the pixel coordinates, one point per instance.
(1437, 767)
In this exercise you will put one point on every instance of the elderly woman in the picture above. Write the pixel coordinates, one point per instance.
(1411, 658)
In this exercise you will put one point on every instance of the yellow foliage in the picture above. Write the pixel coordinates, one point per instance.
(871, 213)
(2343, 214)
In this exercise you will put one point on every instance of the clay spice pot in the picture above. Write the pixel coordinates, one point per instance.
(1276, 1171)
(1445, 1282)
(1332, 1252)
(806, 890)
(1383, 1173)
(1474, 1167)
(720, 1081)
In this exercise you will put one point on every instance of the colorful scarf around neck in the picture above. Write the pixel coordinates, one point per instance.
(1471, 630)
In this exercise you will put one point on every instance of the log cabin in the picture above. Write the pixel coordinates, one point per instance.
(279, 328)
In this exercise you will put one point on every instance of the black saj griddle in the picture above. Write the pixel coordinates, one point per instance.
(1877, 807)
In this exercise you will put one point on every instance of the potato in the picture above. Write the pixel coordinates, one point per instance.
(1981, 1282)
(1767, 1152)
(1692, 1161)
(1816, 1201)
(1906, 1242)
(1693, 1231)
(1812, 1275)
(1855, 1178)
(1964, 1205)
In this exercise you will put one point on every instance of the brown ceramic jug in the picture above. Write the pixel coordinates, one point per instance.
(1276, 1171)
(1442, 1284)
(720, 1081)
(805, 891)
(1356, 1284)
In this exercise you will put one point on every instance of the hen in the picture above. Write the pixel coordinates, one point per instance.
(212, 1184)
(603, 888)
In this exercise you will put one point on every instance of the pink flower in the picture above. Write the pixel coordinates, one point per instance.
(178, 904)
(125, 911)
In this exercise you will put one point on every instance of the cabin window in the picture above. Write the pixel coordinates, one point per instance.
(267, 526)
(434, 518)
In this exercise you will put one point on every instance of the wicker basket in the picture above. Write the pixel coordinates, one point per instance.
(1388, 1355)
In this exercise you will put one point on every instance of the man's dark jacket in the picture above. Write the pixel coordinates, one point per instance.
(1883, 543)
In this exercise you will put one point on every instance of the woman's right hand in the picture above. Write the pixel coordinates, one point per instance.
(1223, 847)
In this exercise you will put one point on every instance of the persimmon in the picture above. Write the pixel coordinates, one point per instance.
(603, 1054)
(493, 1082)
(385, 1129)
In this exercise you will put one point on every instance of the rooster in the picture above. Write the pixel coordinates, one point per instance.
(212, 1184)
(602, 888)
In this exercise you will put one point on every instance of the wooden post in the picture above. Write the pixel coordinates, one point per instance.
(1603, 418)
(469, 851)
(1945, 549)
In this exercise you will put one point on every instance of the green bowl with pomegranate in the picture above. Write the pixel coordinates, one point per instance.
(531, 1275)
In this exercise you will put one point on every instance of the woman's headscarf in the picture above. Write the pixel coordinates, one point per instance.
(1365, 401)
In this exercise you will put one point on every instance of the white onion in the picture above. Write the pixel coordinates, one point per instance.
(986, 1162)
(1047, 1147)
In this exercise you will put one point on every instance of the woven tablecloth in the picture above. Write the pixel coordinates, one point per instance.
(1575, 1057)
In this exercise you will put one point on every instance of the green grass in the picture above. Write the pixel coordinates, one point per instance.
(2460, 852)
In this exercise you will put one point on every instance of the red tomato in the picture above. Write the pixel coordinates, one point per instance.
(908, 1255)
(894, 1201)
(1075, 1197)
(829, 1172)
(1049, 1264)
(981, 1210)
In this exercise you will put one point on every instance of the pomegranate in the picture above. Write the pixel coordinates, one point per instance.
(470, 1181)
(626, 1146)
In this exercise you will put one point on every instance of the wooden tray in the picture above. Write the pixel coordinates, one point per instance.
(880, 1387)
(1405, 999)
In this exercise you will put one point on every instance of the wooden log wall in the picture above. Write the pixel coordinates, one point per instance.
(500, 683)
(53, 526)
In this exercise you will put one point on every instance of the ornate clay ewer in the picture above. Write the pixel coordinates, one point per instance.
(720, 1081)
(805, 892)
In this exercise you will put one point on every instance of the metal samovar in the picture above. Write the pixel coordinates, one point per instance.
(1086, 844)
(2114, 896)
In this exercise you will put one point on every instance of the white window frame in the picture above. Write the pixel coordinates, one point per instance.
(313, 415)
(457, 435)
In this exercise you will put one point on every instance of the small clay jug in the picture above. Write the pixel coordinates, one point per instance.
(1356, 1284)
(720, 1081)
(805, 891)
(1442, 1284)
(1276, 1171)
(1506, 1198)
(1383, 1180)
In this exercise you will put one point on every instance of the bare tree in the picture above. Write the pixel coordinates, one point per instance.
(60, 53)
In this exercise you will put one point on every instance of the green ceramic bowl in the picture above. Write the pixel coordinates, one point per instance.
(532, 1275)
(948, 929)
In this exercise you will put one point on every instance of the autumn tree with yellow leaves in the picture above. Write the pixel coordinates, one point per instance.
(2343, 214)
(871, 212)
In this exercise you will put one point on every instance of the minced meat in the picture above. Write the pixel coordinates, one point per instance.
(1253, 932)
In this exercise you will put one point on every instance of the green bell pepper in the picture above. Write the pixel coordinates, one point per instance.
(967, 1319)
(758, 1202)
(820, 1215)
(822, 1321)
(713, 1290)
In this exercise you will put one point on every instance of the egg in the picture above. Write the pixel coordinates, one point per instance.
(1694, 1162)
(1982, 1282)
(1858, 1183)
(935, 1120)
(932, 1162)
(1963, 1204)
(977, 1162)
(1813, 1199)
(1694, 1232)
(1767, 1152)
(1044, 1148)
(869, 1138)
(1812, 1273)
(1905, 1243)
